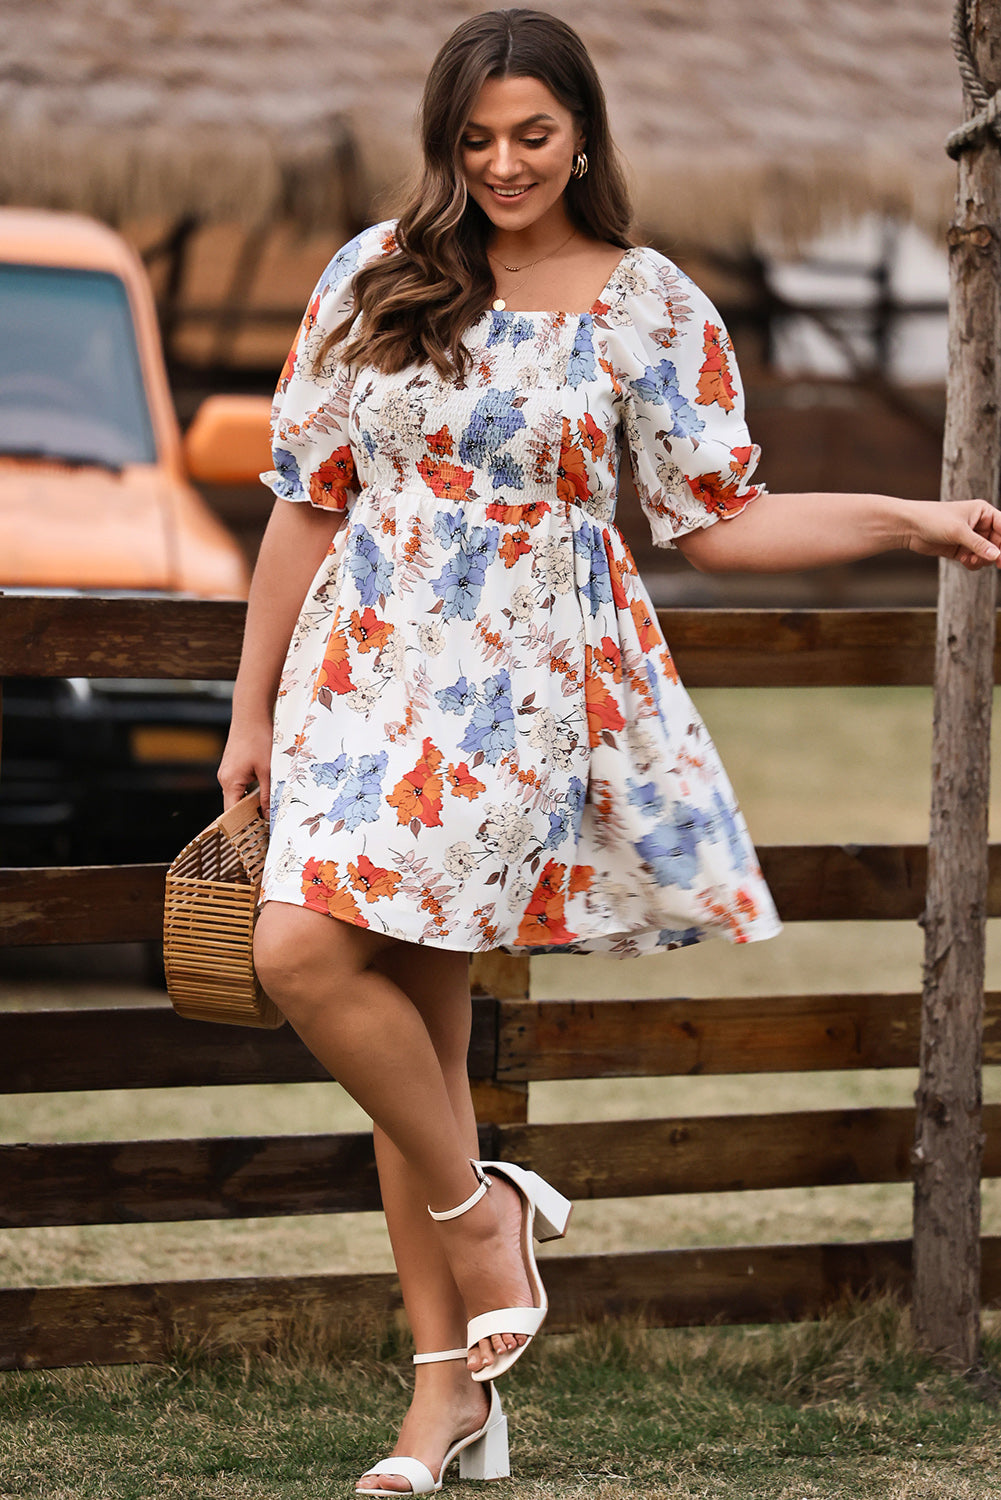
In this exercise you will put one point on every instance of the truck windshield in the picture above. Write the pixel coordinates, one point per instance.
(70, 380)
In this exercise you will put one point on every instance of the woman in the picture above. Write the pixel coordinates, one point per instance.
(479, 738)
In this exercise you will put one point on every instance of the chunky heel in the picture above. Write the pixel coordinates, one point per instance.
(488, 1457)
(552, 1210)
(482, 1455)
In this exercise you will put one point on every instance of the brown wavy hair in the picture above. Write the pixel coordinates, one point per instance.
(416, 302)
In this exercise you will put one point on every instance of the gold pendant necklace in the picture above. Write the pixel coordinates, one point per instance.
(499, 304)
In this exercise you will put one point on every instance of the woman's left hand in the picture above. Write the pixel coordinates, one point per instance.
(965, 531)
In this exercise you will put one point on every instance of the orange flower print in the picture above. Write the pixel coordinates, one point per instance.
(715, 380)
(581, 878)
(323, 891)
(544, 919)
(667, 664)
(646, 626)
(571, 475)
(519, 515)
(417, 798)
(447, 481)
(335, 672)
(367, 877)
(329, 484)
(369, 631)
(463, 782)
(609, 658)
(591, 435)
(440, 442)
(603, 716)
(606, 365)
(719, 495)
(514, 545)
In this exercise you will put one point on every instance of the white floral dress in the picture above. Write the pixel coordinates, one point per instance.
(480, 737)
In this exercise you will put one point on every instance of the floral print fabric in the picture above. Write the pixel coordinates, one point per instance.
(480, 737)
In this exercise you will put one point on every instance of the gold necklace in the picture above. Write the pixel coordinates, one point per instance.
(499, 304)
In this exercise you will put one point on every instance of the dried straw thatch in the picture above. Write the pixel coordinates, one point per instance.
(741, 119)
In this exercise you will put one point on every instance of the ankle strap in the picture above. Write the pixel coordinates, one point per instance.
(439, 1355)
(470, 1202)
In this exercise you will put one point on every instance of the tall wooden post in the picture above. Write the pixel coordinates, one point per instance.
(948, 1145)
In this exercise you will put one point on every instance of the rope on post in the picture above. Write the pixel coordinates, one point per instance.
(972, 132)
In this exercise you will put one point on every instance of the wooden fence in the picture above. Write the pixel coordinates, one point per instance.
(516, 1041)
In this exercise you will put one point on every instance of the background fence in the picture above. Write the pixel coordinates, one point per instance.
(516, 1041)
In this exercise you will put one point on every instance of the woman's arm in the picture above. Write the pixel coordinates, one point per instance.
(295, 543)
(786, 533)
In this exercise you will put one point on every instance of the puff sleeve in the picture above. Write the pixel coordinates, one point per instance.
(310, 445)
(682, 406)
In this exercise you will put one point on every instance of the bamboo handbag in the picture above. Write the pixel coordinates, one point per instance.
(208, 921)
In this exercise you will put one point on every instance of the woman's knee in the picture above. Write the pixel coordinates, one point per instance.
(302, 958)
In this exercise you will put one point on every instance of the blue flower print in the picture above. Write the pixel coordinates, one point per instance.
(507, 475)
(276, 797)
(678, 937)
(291, 479)
(660, 387)
(449, 526)
(521, 331)
(491, 729)
(558, 825)
(506, 325)
(457, 698)
(576, 797)
(597, 590)
(480, 544)
(646, 797)
(723, 822)
(358, 787)
(459, 586)
(371, 571)
(493, 421)
(343, 265)
(672, 850)
(580, 365)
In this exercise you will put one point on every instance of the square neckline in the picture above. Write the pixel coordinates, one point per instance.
(589, 312)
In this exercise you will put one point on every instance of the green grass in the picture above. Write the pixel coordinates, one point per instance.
(842, 1408)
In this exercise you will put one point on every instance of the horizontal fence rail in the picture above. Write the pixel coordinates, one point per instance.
(810, 883)
(513, 1042)
(126, 1323)
(130, 1182)
(88, 637)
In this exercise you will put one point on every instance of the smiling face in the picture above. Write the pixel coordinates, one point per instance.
(518, 147)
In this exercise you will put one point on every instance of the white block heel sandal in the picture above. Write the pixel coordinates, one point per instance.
(545, 1214)
(482, 1455)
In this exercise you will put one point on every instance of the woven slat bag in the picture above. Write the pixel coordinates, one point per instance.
(208, 921)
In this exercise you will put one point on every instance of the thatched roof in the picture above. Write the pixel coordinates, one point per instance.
(738, 119)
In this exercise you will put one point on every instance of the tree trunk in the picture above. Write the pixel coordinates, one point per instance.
(949, 1140)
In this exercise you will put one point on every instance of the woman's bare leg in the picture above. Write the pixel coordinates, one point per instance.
(373, 1038)
(447, 1402)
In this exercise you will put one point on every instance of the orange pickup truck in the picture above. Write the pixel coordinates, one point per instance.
(95, 497)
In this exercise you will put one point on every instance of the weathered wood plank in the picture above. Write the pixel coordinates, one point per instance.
(86, 904)
(46, 637)
(87, 637)
(50, 1327)
(810, 882)
(152, 1047)
(748, 1034)
(116, 1182)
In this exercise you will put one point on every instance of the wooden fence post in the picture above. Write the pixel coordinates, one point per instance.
(949, 1140)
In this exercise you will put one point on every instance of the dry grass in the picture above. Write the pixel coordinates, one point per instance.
(842, 1408)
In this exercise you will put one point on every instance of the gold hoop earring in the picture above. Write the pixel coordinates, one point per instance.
(579, 168)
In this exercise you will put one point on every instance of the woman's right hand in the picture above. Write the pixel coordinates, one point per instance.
(246, 760)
